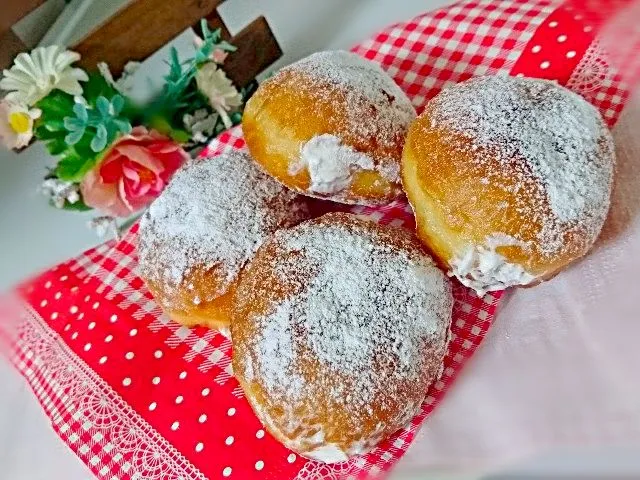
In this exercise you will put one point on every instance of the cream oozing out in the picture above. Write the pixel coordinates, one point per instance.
(376, 111)
(328, 453)
(330, 164)
(546, 136)
(485, 270)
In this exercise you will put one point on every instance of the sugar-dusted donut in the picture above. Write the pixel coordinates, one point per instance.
(340, 325)
(197, 236)
(510, 179)
(331, 126)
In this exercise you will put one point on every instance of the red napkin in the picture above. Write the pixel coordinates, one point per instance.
(136, 396)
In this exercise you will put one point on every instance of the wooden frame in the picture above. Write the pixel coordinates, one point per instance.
(11, 12)
(143, 26)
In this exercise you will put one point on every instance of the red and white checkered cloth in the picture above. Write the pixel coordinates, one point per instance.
(136, 396)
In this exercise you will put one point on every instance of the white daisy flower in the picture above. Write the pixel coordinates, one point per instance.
(214, 84)
(33, 76)
(16, 124)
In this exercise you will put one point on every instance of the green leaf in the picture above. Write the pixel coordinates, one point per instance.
(180, 136)
(226, 46)
(55, 106)
(74, 136)
(99, 141)
(123, 126)
(175, 67)
(201, 56)
(81, 112)
(132, 112)
(42, 132)
(72, 124)
(73, 167)
(102, 104)
(117, 103)
(57, 146)
(83, 148)
(54, 126)
(160, 123)
(204, 25)
(96, 87)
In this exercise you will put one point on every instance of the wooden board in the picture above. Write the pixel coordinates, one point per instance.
(13, 10)
(144, 26)
(10, 12)
(10, 46)
(139, 29)
(257, 49)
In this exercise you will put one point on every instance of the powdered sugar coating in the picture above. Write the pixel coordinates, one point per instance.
(550, 133)
(376, 105)
(377, 111)
(363, 330)
(212, 217)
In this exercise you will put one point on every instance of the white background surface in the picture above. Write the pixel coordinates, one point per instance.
(33, 236)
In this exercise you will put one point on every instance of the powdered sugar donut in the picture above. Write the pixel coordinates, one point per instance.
(340, 325)
(331, 126)
(510, 179)
(197, 236)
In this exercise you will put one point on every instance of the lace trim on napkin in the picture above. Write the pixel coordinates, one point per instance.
(602, 85)
(593, 71)
(321, 471)
(73, 393)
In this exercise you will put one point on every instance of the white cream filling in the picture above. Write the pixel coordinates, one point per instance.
(330, 164)
(484, 270)
(328, 453)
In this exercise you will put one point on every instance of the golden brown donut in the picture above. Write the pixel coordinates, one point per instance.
(510, 179)
(340, 325)
(197, 236)
(331, 126)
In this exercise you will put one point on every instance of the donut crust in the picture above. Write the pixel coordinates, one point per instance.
(465, 194)
(295, 106)
(320, 422)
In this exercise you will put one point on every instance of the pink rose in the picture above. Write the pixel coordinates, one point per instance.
(132, 173)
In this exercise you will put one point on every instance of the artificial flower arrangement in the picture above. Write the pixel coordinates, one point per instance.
(114, 155)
